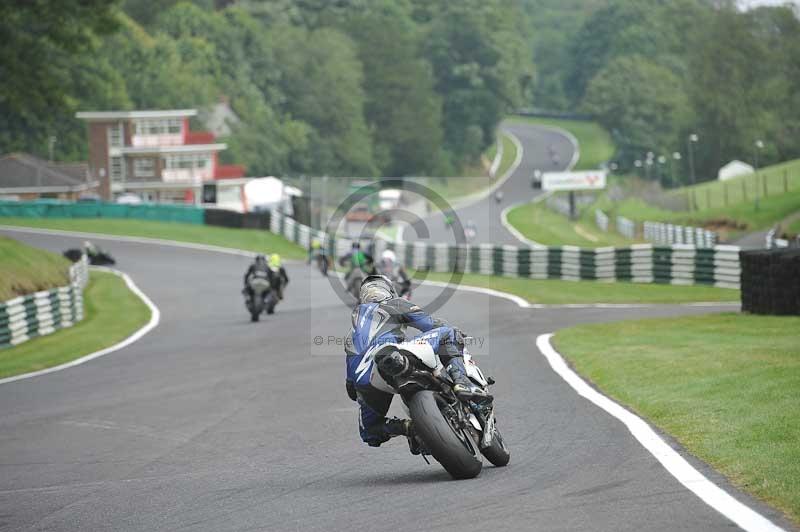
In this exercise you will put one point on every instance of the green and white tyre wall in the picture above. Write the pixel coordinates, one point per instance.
(680, 264)
(45, 312)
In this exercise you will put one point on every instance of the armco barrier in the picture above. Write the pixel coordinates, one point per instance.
(642, 263)
(59, 209)
(771, 281)
(41, 313)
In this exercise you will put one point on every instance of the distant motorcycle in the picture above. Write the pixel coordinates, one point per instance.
(96, 258)
(322, 263)
(259, 298)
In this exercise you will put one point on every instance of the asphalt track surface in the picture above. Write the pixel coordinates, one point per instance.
(536, 143)
(213, 423)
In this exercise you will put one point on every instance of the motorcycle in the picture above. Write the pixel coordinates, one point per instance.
(322, 263)
(455, 432)
(259, 298)
(97, 258)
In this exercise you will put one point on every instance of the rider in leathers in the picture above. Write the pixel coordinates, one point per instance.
(382, 317)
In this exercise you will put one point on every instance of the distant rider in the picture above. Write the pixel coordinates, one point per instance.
(257, 270)
(314, 249)
(277, 275)
(382, 317)
(356, 259)
(395, 271)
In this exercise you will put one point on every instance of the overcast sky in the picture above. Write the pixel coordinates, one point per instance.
(755, 3)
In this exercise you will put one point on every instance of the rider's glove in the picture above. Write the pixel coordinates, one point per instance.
(351, 390)
(459, 337)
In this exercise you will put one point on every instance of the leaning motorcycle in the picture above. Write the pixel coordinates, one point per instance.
(455, 432)
(259, 298)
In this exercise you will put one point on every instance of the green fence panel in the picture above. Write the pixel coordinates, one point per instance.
(55, 209)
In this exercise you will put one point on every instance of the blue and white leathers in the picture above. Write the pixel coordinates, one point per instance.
(374, 326)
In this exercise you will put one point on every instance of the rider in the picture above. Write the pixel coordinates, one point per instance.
(314, 249)
(389, 267)
(258, 269)
(356, 259)
(382, 317)
(277, 275)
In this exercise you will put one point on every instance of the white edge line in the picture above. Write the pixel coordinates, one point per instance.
(516, 232)
(155, 317)
(720, 500)
(523, 303)
(498, 156)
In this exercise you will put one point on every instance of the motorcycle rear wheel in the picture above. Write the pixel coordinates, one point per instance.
(451, 446)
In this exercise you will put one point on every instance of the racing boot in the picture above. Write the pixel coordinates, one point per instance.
(404, 427)
(463, 387)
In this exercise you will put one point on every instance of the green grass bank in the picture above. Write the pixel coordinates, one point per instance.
(540, 224)
(256, 240)
(112, 313)
(558, 292)
(724, 385)
(24, 269)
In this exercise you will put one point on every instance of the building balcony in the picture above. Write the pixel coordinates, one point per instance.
(229, 171)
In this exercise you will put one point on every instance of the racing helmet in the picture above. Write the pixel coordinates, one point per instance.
(389, 255)
(275, 261)
(376, 289)
(260, 259)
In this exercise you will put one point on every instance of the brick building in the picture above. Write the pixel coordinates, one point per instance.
(153, 154)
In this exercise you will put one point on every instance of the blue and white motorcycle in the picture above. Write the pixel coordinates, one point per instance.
(454, 431)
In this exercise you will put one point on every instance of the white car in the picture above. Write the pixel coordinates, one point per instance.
(129, 199)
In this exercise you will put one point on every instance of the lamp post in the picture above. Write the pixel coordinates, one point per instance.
(676, 156)
(661, 162)
(648, 164)
(690, 141)
(638, 164)
(759, 146)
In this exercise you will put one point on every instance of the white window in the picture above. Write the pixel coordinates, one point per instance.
(187, 161)
(144, 168)
(117, 172)
(159, 126)
(115, 136)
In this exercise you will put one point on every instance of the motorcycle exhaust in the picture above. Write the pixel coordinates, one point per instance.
(392, 364)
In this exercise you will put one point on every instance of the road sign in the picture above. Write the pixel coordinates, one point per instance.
(590, 180)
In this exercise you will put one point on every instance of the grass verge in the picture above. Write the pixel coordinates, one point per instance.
(724, 385)
(509, 155)
(540, 224)
(112, 313)
(596, 146)
(24, 269)
(255, 240)
(558, 292)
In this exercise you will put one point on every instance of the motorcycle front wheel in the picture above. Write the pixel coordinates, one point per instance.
(497, 453)
(452, 446)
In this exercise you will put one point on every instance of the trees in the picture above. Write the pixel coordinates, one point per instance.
(645, 101)
(42, 40)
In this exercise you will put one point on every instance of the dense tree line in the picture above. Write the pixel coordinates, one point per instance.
(337, 87)
(656, 71)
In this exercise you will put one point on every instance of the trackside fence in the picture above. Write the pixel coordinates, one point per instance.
(45, 312)
(642, 263)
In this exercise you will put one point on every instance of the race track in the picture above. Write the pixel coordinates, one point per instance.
(213, 423)
(536, 142)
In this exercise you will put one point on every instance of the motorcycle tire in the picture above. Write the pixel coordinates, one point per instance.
(455, 449)
(254, 316)
(497, 453)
